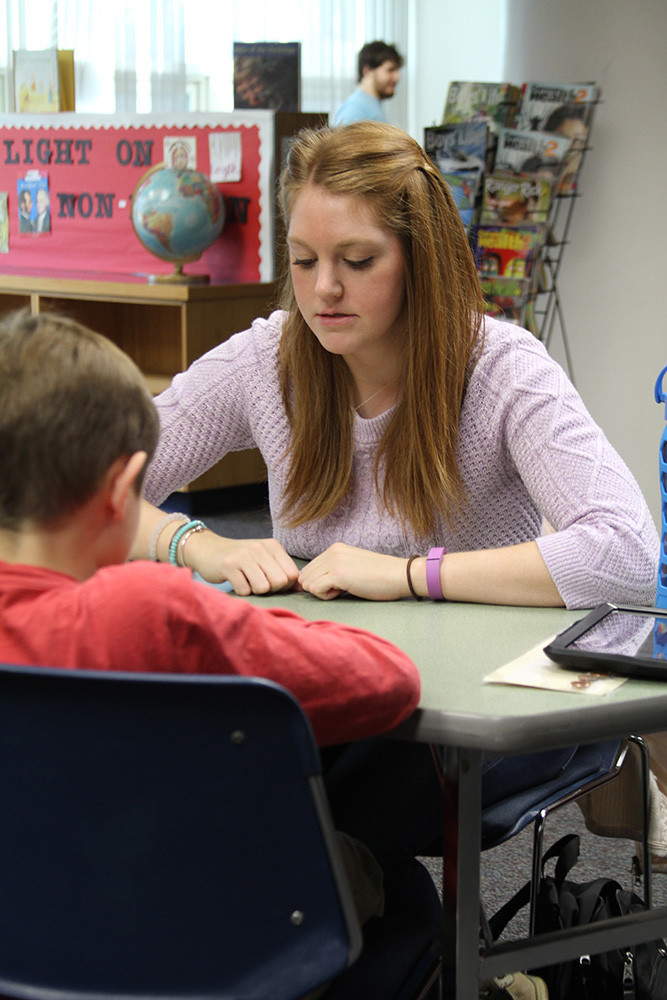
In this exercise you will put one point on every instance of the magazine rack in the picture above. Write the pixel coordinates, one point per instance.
(545, 304)
(512, 159)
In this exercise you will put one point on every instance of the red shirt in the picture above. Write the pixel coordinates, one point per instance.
(152, 618)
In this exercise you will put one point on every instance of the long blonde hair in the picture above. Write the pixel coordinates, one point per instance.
(389, 170)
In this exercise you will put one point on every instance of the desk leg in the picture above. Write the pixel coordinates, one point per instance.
(461, 890)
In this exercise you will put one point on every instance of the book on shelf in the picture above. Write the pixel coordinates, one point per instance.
(66, 79)
(507, 252)
(469, 100)
(267, 75)
(43, 80)
(513, 200)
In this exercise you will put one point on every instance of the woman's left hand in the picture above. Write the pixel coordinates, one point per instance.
(344, 568)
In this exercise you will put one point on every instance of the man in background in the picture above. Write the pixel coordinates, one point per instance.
(379, 67)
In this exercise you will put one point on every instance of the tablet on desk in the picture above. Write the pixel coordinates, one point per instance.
(618, 639)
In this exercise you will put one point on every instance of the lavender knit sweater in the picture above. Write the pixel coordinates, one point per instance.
(528, 450)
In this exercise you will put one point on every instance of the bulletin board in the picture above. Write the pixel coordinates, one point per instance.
(90, 165)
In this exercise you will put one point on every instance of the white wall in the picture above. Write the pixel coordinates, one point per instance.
(454, 40)
(612, 276)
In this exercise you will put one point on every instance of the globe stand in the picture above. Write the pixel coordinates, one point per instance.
(176, 215)
(176, 277)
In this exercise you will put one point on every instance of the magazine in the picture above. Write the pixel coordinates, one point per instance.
(457, 147)
(523, 151)
(468, 101)
(541, 104)
(508, 252)
(460, 151)
(506, 298)
(267, 75)
(515, 200)
(462, 189)
(564, 110)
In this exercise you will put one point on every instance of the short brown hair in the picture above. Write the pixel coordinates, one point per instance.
(373, 54)
(71, 403)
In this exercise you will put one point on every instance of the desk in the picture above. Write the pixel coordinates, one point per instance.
(455, 646)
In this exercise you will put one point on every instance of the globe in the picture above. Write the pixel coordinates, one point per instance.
(176, 215)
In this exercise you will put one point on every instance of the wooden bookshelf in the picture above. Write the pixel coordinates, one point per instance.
(163, 327)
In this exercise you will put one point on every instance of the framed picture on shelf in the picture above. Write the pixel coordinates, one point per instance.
(267, 75)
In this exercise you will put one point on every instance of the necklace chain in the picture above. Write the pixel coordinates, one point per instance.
(391, 382)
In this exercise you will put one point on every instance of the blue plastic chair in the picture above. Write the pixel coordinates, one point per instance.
(164, 837)
(591, 766)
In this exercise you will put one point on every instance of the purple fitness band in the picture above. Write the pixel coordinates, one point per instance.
(433, 562)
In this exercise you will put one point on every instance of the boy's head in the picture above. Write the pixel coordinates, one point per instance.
(71, 404)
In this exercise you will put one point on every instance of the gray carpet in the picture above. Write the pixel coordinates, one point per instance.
(506, 868)
(243, 513)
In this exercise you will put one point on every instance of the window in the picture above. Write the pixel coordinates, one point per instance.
(171, 55)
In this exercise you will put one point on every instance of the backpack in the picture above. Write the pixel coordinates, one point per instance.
(637, 973)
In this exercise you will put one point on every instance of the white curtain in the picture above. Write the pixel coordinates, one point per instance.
(166, 55)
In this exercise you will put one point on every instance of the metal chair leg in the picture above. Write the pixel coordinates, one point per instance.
(538, 830)
(536, 872)
(646, 788)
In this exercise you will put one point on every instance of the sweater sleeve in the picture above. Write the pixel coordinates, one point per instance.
(213, 407)
(605, 545)
(351, 683)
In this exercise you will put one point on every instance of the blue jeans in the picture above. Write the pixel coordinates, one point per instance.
(387, 793)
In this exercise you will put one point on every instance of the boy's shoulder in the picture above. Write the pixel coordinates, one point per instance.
(144, 577)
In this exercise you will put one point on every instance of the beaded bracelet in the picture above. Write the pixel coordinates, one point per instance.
(181, 543)
(159, 528)
(433, 563)
(178, 534)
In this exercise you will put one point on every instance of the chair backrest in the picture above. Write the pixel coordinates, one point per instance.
(164, 836)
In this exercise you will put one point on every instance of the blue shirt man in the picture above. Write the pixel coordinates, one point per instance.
(379, 67)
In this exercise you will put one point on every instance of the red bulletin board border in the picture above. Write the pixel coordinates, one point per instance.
(93, 163)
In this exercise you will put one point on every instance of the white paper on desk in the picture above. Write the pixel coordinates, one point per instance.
(535, 669)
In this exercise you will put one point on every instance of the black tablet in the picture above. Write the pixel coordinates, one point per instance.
(615, 639)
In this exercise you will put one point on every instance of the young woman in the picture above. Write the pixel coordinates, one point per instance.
(395, 419)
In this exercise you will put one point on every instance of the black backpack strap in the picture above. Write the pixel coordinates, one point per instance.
(566, 850)
(499, 921)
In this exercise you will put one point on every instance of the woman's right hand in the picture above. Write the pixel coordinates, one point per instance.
(251, 565)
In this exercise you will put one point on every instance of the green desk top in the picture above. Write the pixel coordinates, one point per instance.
(456, 645)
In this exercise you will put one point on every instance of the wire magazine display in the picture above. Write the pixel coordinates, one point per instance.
(512, 158)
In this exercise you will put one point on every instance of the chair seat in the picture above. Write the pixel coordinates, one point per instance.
(506, 818)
